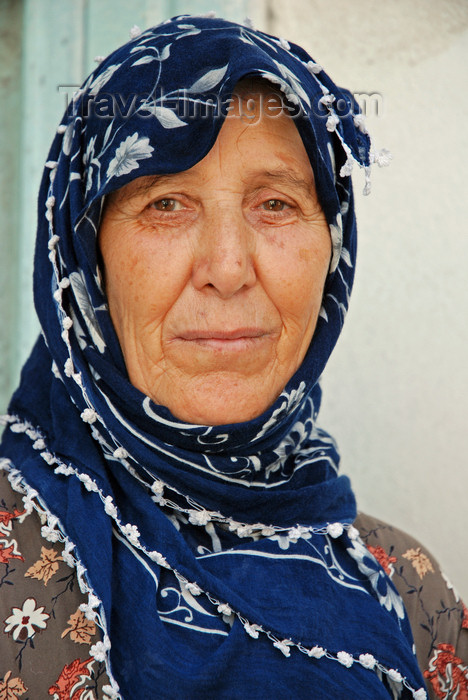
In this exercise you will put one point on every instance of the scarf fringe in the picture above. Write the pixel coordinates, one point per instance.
(197, 514)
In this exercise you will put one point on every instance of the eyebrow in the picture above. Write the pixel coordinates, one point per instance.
(286, 176)
(150, 181)
(281, 176)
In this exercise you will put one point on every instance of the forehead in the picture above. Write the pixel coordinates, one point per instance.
(258, 141)
(254, 139)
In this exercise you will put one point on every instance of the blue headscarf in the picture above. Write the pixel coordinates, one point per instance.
(218, 561)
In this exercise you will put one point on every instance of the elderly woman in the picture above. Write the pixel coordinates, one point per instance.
(173, 524)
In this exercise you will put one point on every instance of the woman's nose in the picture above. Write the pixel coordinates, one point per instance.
(224, 259)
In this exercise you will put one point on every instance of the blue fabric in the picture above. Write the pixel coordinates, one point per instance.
(260, 567)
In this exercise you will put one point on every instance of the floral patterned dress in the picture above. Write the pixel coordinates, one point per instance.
(49, 648)
(45, 637)
(439, 619)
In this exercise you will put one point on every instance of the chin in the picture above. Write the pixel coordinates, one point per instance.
(223, 409)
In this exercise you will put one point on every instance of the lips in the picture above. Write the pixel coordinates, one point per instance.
(237, 339)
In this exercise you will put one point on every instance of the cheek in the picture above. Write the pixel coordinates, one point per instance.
(123, 287)
(315, 266)
(144, 277)
(298, 271)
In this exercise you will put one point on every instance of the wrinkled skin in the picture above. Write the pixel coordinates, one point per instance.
(215, 275)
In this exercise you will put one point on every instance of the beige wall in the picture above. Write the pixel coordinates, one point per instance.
(396, 390)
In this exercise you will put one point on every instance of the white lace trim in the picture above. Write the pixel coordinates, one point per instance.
(382, 157)
(54, 532)
(197, 514)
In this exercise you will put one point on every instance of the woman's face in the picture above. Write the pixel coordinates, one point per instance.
(215, 275)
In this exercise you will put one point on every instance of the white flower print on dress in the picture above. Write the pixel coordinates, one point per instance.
(23, 621)
(128, 154)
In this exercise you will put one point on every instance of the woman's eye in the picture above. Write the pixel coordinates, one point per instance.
(166, 204)
(274, 205)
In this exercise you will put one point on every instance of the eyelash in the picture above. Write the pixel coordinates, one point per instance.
(269, 206)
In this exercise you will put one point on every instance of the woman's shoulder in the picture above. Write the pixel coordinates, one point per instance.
(45, 638)
(438, 617)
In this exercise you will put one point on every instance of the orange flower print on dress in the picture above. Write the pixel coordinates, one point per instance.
(7, 553)
(420, 561)
(46, 566)
(384, 559)
(74, 675)
(11, 688)
(6, 517)
(447, 674)
(24, 622)
(8, 547)
(81, 630)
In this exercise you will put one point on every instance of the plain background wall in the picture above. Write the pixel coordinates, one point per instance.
(395, 391)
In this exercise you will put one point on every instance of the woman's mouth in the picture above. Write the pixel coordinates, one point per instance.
(234, 340)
